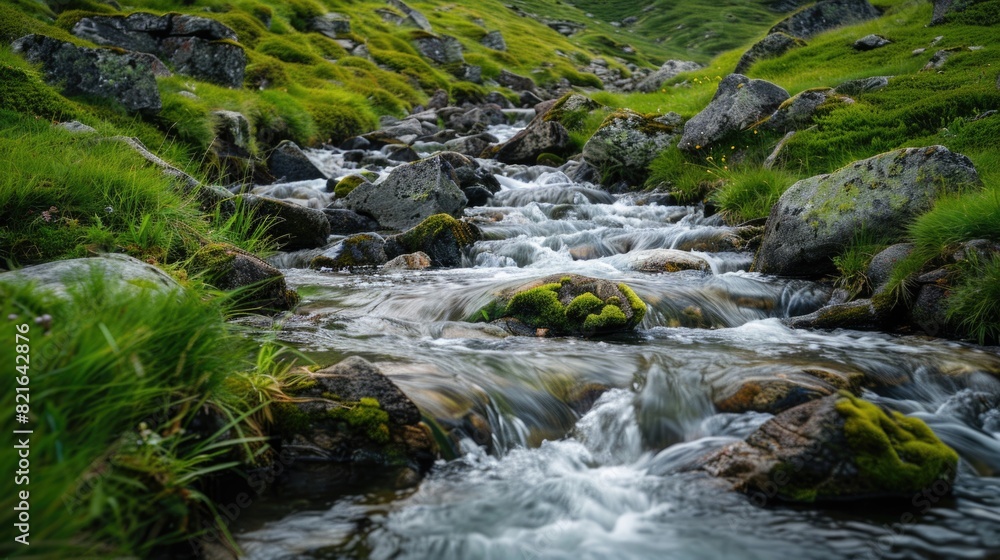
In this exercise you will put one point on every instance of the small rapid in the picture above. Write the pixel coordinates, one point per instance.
(588, 440)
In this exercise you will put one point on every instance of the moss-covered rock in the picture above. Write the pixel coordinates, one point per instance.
(441, 237)
(257, 284)
(837, 448)
(566, 305)
(774, 388)
(626, 143)
(348, 184)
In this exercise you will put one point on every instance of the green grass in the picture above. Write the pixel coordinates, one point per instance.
(748, 193)
(852, 263)
(958, 218)
(974, 305)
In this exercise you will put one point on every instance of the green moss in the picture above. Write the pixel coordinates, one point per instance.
(366, 417)
(582, 306)
(894, 452)
(348, 184)
(539, 307)
(289, 419)
(551, 160)
(287, 49)
(420, 236)
(634, 302)
(22, 90)
(611, 317)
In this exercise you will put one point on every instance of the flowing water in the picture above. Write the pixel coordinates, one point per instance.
(556, 479)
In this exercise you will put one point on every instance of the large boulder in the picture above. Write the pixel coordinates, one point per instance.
(566, 305)
(258, 284)
(772, 46)
(627, 142)
(352, 412)
(292, 225)
(345, 222)
(817, 217)
(133, 275)
(441, 237)
(667, 70)
(738, 103)
(195, 46)
(289, 163)
(539, 137)
(825, 15)
(410, 194)
(837, 448)
(124, 77)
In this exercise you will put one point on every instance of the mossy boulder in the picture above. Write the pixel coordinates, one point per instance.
(738, 103)
(354, 413)
(622, 148)
(539, 137)
(570, 109)
(667, 70)
(131, 274)
(258, 284)
(294, 226)
(816, 218)
(566, 305)
(348, 184)
(774, 388)
(365, 250)
(771, 46)
(825, 15)
(441, 237)
(798, 112)
(837, 448)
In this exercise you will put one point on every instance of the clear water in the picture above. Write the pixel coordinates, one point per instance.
(609, 483)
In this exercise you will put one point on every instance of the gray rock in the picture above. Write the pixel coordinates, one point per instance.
(195, 46)
(667, 70)
(494, 40)
(126, 78)
(471, 146)
(498, 99)
(390, 16)
(772, 46)
(817, 217)
(539, 137)
(469, 173)
(233, 129)
(929, 311)
(776, 387)
(627, 142)
(441, 237)
(294, 226)
(410, 194)
(664, 260)
(825, 15)
(442, 49)
(797, 112)
(331, 24)
(863, 85)
(413, 17)
(939, 58)
(355, 378)
(364, 250)
(816, 451)
(260, 285)
(58, 277)
(514, 81)
(738, 103)
(476, 120)
(871, 42)
(77, 127)
(347, 222)
(412, 261)
(882, 264)
(288, 161)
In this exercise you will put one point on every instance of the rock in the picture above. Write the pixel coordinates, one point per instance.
(331, 24)
(797, 112)
(411, 261)
(772, 46)
(443, 50)
(233, 129)
(499, 99)
(929, 311)
(860, 314)
(471, 146)
(365, 250)
(863, 85)
(738, 103)
(494, 40)
(259, 285)
(478, 119)
(774, 388)
(477, 196)
(77, 127)
(392, 133)
(871, 42)
(825, 15)
(413, 17)
(627, 142)
(195, 46)
(539, 137)
(352, 412)
(469, 73)
(566, 305)
(289, 163)
(132, 275)
(664, 260)
(837, 448)
(667, 70)
(390, 16)
(293, 226)
(817, 217)
(772, 158)
(881, 266)
(514, 81)
(347, 222)
(438, 100)
(568, 110)
(343, 187)
(126, 78)
(441, 237)
(411, 193)
(403, 154)
(939, 58)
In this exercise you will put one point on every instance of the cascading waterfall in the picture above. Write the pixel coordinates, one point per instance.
(609, 482)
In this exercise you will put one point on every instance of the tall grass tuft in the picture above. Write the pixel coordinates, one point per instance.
(974, 305)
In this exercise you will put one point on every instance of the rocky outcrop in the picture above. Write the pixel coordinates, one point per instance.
(126, 78)
(566, 305)
(259, 285)
(441, 237)
(836, 448)
(738, 103)
(289, 163)
(817, 217)
(411, 16)
(130, 274)
(194, 46)
(353, 413)
(292, 225)
(667, 70)
(825, 15)
(863, 85)
(442, 49)
(626, 143)
(772, 46)
(410, 194)
(411, 261)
